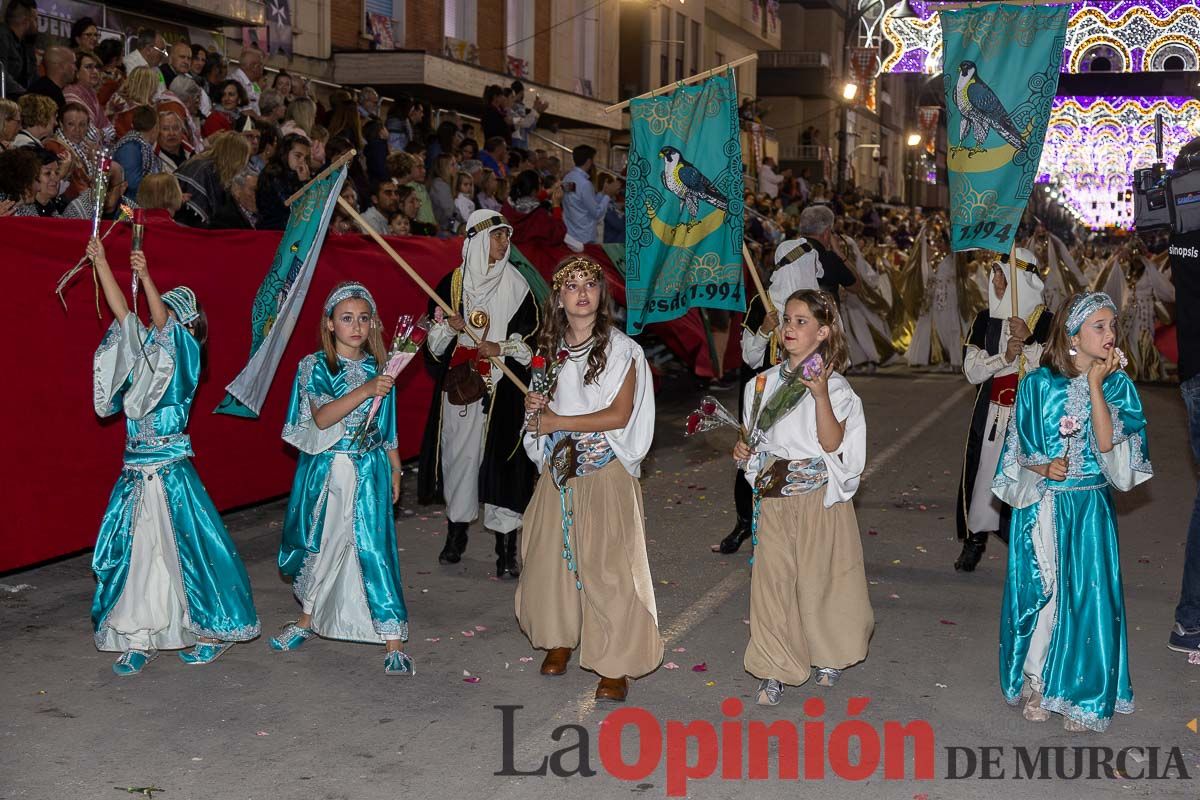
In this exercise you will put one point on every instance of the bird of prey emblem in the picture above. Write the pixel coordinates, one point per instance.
(981, 111)
(689, 185)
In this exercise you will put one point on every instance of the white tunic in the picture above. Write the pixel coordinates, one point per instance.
(795, 436)
(572, 397)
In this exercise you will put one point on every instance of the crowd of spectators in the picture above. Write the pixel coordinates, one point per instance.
(238, 140)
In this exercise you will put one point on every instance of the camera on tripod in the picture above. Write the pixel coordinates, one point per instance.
(1167, 198)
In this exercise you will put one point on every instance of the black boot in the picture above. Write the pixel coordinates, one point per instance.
(506, 554)
(731, 543)
(456, 542)
(973, 549)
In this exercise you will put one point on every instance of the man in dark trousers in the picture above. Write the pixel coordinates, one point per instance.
(1185, 274)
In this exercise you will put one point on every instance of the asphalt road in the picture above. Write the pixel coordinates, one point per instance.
(326, 723)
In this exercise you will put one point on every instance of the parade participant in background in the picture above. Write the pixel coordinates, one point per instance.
(1000, 348)
(586, 581)
(761, 351)
(471, 448)
(865, 310)
(167, 574)
(808, 593)
(1078, 428)
(339, 538)
(1146, 291)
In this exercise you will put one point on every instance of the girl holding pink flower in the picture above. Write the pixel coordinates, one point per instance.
(809, 609)
(1077, 432)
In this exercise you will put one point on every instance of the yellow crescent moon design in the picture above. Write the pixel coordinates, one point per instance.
(985, 160)
(684, 235)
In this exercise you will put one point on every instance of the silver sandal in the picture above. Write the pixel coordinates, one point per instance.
(769, 692)
(827, 676)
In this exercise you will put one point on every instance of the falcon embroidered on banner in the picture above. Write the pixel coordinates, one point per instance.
(689, 185)
(981, 111)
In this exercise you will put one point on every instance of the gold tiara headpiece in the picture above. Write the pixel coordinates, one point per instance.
(578, 265)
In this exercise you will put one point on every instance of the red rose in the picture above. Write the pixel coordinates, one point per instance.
(693, 423)
(561, 356)
(708, 408)
(417, 336)
(539, 362)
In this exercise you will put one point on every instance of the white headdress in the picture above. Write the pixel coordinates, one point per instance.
(1029, 287)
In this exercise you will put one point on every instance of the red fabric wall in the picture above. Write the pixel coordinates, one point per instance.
(60, 460)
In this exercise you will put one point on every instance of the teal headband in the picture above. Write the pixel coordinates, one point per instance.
(182, 301)
(1084, 307)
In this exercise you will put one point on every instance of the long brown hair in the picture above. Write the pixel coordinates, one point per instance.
(825, 311)
(554, 325)
(374, 347)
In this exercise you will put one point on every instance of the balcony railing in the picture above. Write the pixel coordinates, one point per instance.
(790, 151)
(794, 59)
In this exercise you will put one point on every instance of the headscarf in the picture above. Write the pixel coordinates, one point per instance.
(792, 250)
(480, 278)
(1029, 287)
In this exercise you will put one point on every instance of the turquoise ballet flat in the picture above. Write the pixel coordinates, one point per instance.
(204, 652)
(397, 662)
(292, 637)
(131, 662)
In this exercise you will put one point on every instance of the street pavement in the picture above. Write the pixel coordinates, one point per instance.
(325, 722)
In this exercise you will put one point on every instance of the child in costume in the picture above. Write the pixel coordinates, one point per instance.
(167, 574)
(586, 578)
(1078, 428)
(339, 538)
(807, 451)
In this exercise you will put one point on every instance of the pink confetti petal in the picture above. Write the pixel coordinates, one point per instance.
(262, 733)
(1194, 658)
(947, 622)
(526, 659)
(701, 667)
(468, 633)
(434, 639)
(472, 679)
(679, 650)
(670, 665)
(480, 627)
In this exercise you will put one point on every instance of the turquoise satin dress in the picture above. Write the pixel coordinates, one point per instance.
(154, 382)
(1063, 558)
(374, 533)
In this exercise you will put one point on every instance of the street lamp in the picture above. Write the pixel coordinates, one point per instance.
(849, 90)
(914, 142)
(914, 139)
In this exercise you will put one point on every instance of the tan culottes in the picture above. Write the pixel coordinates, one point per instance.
(612, 619)
(808, 590)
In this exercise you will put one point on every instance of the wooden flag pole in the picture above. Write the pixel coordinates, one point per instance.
(670, 87)
(425, 287)
(337, 162)
(1012, 276)
(768, 306)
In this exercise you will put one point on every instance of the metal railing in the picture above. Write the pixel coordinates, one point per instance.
(792, 59)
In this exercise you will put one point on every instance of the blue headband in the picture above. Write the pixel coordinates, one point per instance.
(182, 301)
(347, 292)
(1084, 307)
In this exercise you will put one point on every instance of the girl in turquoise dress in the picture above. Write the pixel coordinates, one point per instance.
(1077, 430)
(167, 573)
(339, 538)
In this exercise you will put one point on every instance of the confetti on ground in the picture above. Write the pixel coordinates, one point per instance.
(896, 561)
(526, 659)
(679, 650)
(745, 622)
(262, 733)
(468, 633)
(701, 667)
(947, 622)
(1143, 561)
(434, 639)
(670, 665)
(872, 532)
(481, 628)
(710, 683)
(1194, 658)
(921, 549)
(923, 508)
(471, 679)
(940, 685)
(894, 596)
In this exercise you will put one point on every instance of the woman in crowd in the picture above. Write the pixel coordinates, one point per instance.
(112, 72)
(85, 36)
(440, 193)
(229, 98)
(287, 171)
(10, 123)
(37, 120)
(531, 217)
(20, 174)
(160, 195)
(76, 153)
(83, 91)
(206, 177)
(301, 118)
(138, 90)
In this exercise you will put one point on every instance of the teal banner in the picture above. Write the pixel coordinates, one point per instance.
(683, 204)
(281, 295)
(1001, 73)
